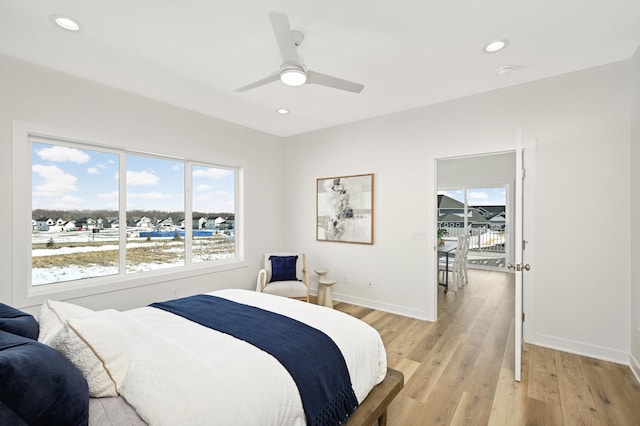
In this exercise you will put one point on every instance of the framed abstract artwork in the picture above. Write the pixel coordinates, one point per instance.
(344, 209)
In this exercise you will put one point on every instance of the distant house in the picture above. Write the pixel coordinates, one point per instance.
(490, 211)
(85, 224)
(43, 224)
(227, 222)
(110, 222)
(496, 215)
(451, 215)
(498, 221)
(165, 223)
(144, 222)
(70, 226)
(199, 222)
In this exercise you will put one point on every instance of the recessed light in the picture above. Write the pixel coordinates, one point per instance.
(496, 46)
(282, 111)
(66, 23)
(506, 69)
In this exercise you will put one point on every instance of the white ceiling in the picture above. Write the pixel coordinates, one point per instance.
(407, 53)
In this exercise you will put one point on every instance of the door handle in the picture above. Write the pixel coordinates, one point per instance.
(519, 267)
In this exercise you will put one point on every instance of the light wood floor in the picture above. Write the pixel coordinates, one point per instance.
(460, 369)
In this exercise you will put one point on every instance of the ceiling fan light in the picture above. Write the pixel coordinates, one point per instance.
(293, 77)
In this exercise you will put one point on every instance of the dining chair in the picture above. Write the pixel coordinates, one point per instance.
(456, 264)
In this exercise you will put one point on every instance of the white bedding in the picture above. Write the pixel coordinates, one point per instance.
(181, 373)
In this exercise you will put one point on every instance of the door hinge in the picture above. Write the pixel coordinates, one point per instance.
(523, 317)
(524, 244)
(524, 173)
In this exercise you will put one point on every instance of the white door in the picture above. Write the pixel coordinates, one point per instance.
(519, 267)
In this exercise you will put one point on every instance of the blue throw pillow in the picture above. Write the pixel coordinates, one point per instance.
(17, 322)
(39, 385)
(283, 268)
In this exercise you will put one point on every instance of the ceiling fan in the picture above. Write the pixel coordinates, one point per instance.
(293, 72)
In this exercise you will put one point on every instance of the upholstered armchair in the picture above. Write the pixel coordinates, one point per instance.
(284, 274)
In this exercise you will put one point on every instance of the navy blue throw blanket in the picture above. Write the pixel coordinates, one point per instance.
(312, 359)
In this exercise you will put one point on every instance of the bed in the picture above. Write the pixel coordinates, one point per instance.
(152, 365)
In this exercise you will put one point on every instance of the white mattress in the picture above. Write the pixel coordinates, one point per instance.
(187, 374)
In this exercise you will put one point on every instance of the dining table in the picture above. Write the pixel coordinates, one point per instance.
(446, 249)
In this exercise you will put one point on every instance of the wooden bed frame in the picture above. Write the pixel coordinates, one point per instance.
(116, 411)
(374, 407)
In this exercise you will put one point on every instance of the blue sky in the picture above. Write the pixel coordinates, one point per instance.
(480, 196)
(70, 178)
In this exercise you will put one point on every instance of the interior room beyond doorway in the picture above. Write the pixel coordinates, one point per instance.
(475, 198)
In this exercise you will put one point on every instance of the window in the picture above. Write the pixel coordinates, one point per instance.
(73, 200)
(99, 211)
(155, 213)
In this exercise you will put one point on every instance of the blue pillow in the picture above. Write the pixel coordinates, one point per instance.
(17, 322)
(283, 268)
(39, 385)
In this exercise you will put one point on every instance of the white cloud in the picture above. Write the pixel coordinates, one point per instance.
(201, 188)
(108, 195)
(477, 195)
(93, 171)
(208, 196)
(66, 202)
(60, 154)
(149, 196)
(143, 178)
(56, 182)
(212, 173)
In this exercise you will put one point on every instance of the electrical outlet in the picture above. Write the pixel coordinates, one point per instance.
(370, 283)
(346, 279)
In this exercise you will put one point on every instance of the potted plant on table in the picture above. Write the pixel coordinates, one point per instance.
(442, 232)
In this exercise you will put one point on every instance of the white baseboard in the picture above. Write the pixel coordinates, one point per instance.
(386, 307)
(579, 348)
(551, 342)
(635, 367)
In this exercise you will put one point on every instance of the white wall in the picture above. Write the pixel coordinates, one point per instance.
(477, 172)
(635, 209)
(582, 272)
(48, 98)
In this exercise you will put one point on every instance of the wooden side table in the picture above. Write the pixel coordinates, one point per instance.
(321, 273)
(324, 286)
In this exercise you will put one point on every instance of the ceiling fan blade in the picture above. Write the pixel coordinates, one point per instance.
(334, 82)
(282, 31)
(259, 83)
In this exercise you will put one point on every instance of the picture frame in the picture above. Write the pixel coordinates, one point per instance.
(344, 209)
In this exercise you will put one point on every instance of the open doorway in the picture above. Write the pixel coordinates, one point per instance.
(488, 170)
(475, 197)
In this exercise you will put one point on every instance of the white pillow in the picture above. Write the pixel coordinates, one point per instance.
(97, 347)
(53, 315)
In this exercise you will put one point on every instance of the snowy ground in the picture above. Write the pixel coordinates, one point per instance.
(41, 276)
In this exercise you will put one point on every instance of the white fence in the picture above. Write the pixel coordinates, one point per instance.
(482, 239)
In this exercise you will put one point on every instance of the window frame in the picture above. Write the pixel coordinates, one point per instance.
(24, 294)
